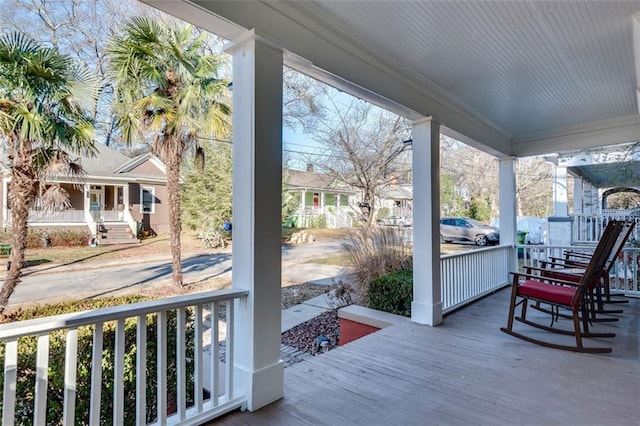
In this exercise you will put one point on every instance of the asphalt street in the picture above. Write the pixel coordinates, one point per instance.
(61, 282)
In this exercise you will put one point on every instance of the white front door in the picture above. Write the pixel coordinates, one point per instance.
(96, 200)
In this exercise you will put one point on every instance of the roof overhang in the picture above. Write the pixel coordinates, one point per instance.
(511, 78)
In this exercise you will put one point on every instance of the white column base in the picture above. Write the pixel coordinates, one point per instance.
(266, 385)
(426, 314)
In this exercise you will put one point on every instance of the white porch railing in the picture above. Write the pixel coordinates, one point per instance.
(63, 216)
(624, 277)
(337, 218)
(589, 228)
(470, 275)
(107, 215)
(182, 317)
(344, 219)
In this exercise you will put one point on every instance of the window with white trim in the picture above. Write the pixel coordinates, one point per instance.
(147, 199)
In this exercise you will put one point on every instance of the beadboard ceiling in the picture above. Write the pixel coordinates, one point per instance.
(514, 77)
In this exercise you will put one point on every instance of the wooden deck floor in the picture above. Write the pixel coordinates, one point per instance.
(464, 372)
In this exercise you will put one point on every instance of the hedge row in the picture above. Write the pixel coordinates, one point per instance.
(43, 238)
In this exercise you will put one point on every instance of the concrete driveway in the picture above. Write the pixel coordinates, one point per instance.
(107, 278)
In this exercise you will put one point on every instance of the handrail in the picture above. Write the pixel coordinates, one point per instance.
(15, 330)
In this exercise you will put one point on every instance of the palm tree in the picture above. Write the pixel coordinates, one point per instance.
(43, 119)
(167, 92)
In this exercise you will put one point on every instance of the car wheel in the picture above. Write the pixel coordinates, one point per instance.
(481, 240)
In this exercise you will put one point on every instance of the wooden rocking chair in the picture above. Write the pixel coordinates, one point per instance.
(601, 292)
(563, 294)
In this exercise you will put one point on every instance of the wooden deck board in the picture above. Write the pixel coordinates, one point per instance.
(463, 372)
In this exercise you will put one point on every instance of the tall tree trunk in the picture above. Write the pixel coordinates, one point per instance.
(22, 189)
(173, 189)
(369, 199)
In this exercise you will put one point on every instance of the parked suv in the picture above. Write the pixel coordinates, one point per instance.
(395, 221)
(465, 228)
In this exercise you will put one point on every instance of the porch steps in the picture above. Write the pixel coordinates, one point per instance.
(115, 234)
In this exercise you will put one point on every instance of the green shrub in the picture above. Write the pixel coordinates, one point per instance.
(373, 253)
(392, 293)
(383, 212)
(25, 395)
(68, 238)
(317, 222)
(43, 238)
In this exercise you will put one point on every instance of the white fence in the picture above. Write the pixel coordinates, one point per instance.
(624, 276)
(472, 274)
(180, 328)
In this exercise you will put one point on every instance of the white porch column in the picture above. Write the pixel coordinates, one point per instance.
(508, 204)
(560, 198)
(560, 226)
(257, 189)
(125, 196)
(426, 307)
(87, 200)
(578, 192)
(590, 199)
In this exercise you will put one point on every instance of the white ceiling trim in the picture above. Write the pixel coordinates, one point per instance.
(601, 133)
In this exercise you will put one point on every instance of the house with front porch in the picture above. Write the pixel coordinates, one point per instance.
(321, 199)
(116, 197)
(513, 79)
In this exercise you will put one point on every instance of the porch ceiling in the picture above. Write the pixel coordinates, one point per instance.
(513, 78)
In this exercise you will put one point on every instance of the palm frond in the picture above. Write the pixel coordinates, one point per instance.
(53, 198)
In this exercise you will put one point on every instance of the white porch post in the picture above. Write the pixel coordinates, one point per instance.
(560, 227)
(578, 191)
(426, 307)
(508, 204)
(591, 199)
(87, 194)
(560, 197)
(302, 222)
(125, 197)
(257, 188)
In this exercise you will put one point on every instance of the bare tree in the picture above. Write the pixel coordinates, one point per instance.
(360, 144)
(534, 194)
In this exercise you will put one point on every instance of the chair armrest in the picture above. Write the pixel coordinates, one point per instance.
(541, 275)
(552, 280)
(567, 261)
(579, 254)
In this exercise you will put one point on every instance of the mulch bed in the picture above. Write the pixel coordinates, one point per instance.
(304, 336)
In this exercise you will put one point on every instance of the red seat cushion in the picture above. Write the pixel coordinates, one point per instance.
(547, 292)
